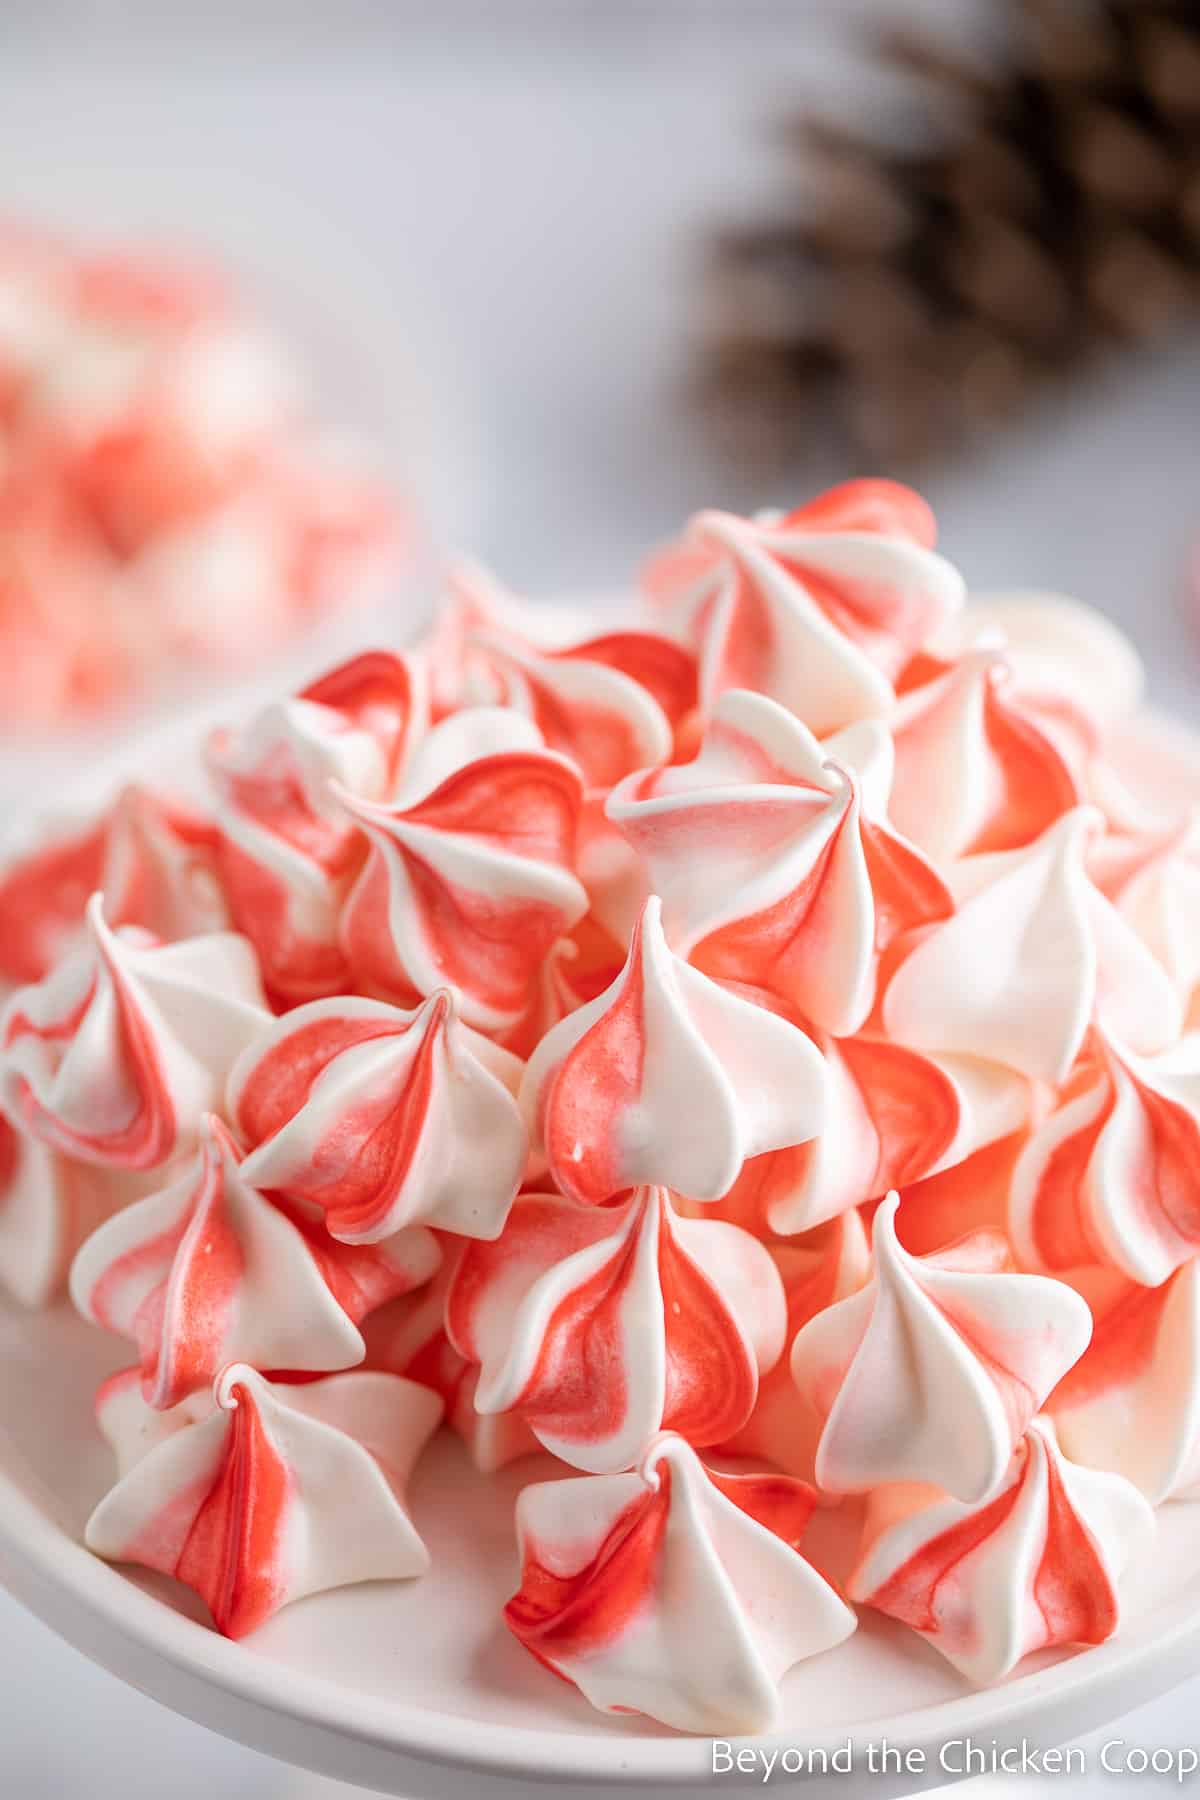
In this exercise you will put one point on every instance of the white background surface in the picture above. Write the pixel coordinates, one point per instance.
(480, 220)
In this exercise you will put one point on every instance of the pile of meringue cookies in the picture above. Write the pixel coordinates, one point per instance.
(742, 1053)
(164, 500)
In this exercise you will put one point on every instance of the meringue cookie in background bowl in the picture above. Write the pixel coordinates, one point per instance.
(445, 1073)
(183, 498)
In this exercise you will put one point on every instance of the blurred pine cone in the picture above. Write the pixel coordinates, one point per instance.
(933, 289)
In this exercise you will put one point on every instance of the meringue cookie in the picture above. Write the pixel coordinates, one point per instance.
(933, 1371)
(817, 1270)
(1034, 1567)
(408, 1337)
(1131, 1404)
(470, 875)
(1032, 955)
(151, 855)
(279, 1492)
(612, 703)
(671, 1318)
(819, 608)
(211, 1271)
(974, 773)
(288, 850)
(48, 1205)
(1153, 879)
(671, 1590)
(614, 1091)
(1113, 1174)
(117, 1055)
(773, 859)
(894, 1118)
(382, 1118)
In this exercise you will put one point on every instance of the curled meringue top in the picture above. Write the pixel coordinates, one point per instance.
(211, 1270)
(470, 878)
(819, 608)
(615, 1092)
(276, 1492)
(672, 1319)
(382, 1118)
(117, 1055)
(933, 1371)
(672, 1590)
(774, 861)
(1034, 1566)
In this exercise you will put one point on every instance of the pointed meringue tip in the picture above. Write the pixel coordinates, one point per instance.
(97, 924)
(664, 1447)
(440, 1008)
(354, 804)
(883, 1226)
(215, 1136)
(232, 1378)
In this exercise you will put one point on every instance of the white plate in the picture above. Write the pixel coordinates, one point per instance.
(416, 1689)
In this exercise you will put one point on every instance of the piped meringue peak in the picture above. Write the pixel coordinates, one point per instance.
(753, 1026)
(669, 1078)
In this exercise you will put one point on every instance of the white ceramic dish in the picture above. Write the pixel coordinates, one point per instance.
(415, 1688)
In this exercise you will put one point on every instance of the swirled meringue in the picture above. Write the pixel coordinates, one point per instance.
(773, 861)
(211, 1271)
(671, 1590)
(1152, 878)
(1033, 1567)
(408, 1337)
(671, 1318)
(1032, 955)
(288, 849)
(383, 1119)
(470, 875)
(277, 1492)
(614, 1091)
(48, 1206)
(819, 608)
(152, 856)
(117, 1055)
(893, 1118)
(1113, 1174)
(933, 1371)
(1131, 1404)
(974, 773)
(817, 1270)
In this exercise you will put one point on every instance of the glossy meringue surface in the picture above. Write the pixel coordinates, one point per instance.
(740, 1053)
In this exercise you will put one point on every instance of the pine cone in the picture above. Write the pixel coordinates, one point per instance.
(936, 289)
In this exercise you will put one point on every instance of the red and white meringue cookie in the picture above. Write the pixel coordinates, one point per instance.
(673, 1591)
(288, 849)
(211, 1271)
(671, 1319)
(408, 1337)
(615, 1094)
(819, 608)
(1033, 954)
(383, 1119)
(1131, 1404)
(933, 1371)
(48, 1206)
(817, 1270)
(118, 1054)
(470, 878)
(1033, 1567)
(974, 772)
(1112, 1175)
(278, 1491)
(893, 1118)
(773, 859)
(1152, 878)
(151, 855)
